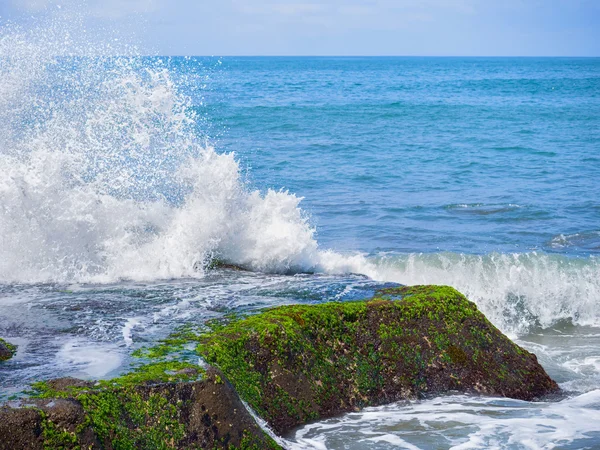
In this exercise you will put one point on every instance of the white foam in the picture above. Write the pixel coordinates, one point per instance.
(104, 177)
(90, 359)
(393, 440)
(589, 365)
(462, 422)
(515, 291)
(130, 324)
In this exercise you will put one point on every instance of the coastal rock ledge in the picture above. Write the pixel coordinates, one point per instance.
(291, 364)
(299, 363)
(7, 350)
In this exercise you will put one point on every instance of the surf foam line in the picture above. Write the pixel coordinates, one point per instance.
(105, 176)
(517, 292)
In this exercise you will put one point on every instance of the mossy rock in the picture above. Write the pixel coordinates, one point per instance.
(298, 363)
(161, 406)
(7, 350)
(292, 364)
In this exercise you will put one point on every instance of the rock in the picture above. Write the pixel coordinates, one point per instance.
(20, 428)
(199, 414)
(68, 384)
(7, 350)
(218, 264)
(292, 364)
(298, 363)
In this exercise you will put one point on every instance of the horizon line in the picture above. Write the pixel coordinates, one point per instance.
(370, 56)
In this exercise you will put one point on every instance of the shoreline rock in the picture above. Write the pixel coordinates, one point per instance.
(187, 414)
(7, 350)
(299, 363)
(292, 364)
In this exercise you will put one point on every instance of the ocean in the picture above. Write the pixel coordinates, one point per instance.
(125, 178)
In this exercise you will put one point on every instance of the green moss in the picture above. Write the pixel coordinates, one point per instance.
(128, 420)
(157, 372)
(11, 349)
(41, 389)
(119, 414)
(282, 333)
(249, 443)
(55, 438)
(125, 416)
(295, 363)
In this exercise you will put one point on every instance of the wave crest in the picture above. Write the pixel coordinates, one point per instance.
(106, 177)
(517, 292)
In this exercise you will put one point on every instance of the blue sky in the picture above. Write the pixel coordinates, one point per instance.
(339, 27)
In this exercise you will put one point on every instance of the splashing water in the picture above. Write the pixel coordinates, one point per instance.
(105, 177)
(517, 292)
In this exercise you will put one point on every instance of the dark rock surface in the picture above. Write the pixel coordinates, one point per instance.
(201, 414)
(7, 350)
(298, 363)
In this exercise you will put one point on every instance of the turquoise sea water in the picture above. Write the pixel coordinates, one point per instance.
(124, 177)
(470, 155)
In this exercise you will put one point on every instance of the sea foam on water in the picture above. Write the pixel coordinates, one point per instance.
(105, 178)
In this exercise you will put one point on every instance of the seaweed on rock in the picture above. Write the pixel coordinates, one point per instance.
(7, 350)
(291, 364)
(297, 363)
(163, 405)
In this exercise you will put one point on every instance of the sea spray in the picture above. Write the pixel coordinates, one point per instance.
(106, 178)
(108, 175)
(518, 292)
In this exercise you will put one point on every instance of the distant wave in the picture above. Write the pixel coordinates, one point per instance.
(589, 241)
(482, 209)
(518, 292)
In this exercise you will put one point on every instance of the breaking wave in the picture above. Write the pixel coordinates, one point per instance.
(105, 177)
(517, 292)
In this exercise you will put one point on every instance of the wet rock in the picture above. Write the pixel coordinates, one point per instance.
(219, 264)
(298, 363)
(292, 364)
(20, 428)
(201, 414)
(7, 350)
(68, 384)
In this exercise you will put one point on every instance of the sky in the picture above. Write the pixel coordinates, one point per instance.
(335, 27)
